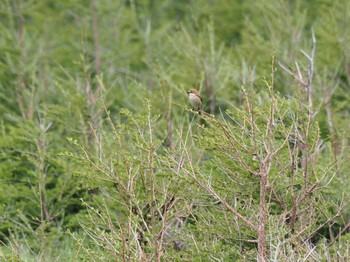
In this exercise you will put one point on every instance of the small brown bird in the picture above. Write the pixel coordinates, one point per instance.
(195, 99)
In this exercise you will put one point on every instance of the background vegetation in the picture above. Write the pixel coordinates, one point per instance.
(103, 160)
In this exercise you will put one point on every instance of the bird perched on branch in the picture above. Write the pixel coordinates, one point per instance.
(195, 99)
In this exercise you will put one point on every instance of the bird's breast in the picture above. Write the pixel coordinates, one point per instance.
(195, 100)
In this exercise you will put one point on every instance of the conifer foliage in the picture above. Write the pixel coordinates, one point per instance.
(102, 158)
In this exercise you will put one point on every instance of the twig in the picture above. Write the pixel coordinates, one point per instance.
(340, 233)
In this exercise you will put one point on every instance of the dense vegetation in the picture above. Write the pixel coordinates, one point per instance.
(102, 158)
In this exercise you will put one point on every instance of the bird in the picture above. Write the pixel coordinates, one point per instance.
(195, 99)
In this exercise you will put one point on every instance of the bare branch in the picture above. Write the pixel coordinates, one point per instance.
(285, 68)
(211, 192)
(306, 55)
(298, 70)
(297, 78)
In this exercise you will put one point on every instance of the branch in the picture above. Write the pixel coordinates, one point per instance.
(340, 233)
(227, 205)
(299, 77)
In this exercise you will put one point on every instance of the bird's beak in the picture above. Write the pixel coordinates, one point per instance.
(188, 92)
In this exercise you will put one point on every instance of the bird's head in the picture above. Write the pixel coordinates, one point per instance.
(193, 91)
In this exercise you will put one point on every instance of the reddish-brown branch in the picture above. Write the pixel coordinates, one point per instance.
(277, 198)
(211, 192)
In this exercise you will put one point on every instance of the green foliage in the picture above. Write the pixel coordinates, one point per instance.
(101, 160)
